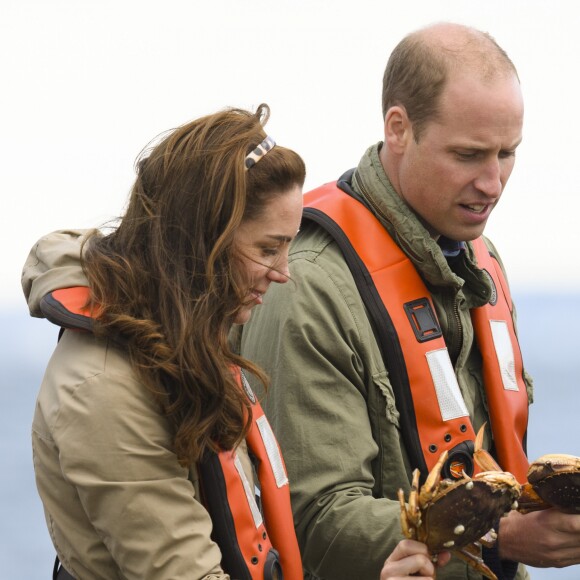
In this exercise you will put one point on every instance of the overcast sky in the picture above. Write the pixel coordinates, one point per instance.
(86, 85)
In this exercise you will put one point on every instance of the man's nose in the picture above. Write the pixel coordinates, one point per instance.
(489, 180)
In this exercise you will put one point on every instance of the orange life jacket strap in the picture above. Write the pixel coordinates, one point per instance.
(237, 525)
(406, 327)
(417, 361)
(251, 548)
(274, 487)
(508, 400)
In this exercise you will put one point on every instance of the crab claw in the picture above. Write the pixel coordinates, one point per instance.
(482, 457)
(530, 501)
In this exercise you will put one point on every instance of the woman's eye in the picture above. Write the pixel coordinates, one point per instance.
(270, 251)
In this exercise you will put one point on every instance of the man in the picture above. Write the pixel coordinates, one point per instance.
(347, 399)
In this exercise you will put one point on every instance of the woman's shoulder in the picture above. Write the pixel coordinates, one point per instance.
(95, 369)
(92, 377)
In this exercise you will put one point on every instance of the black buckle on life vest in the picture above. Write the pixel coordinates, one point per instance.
(459, 461)
(272, 568)
(423, 320)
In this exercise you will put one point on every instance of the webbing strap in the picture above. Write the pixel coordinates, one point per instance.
(421, 374)
(409, 337)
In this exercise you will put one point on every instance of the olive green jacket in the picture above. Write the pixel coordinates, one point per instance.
(331, 403)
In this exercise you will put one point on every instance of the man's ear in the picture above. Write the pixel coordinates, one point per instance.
(398, 129)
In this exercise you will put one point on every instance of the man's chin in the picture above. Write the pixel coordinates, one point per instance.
(465, 235)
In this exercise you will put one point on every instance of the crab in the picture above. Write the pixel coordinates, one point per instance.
(458, 516)
(553, 480)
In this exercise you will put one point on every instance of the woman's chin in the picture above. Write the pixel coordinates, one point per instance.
(243, 316)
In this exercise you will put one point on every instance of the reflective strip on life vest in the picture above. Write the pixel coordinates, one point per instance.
(273, 451)
(451, 403)
(250, 497)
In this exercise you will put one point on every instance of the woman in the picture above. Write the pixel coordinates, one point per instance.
(144, 421)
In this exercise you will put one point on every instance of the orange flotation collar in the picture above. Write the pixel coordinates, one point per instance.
(433, 414)
(252, 549)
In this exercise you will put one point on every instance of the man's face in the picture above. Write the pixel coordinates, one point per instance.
(455, 175)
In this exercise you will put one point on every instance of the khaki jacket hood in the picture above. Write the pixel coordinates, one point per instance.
(53, 263)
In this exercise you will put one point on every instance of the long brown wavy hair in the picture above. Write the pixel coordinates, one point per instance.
(168, 279)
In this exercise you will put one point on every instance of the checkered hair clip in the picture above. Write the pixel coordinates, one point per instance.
(259, 151)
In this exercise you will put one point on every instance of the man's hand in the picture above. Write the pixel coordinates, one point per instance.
(543, 539)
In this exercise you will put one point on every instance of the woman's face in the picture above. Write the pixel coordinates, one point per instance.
(264, 243)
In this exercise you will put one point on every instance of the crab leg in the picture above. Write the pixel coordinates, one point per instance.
(432, 480)
(408, 530)
(470, 556)
(410, 513)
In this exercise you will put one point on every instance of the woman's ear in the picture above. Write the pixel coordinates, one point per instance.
(398, 129)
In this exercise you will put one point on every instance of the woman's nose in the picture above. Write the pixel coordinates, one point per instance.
(280, 274)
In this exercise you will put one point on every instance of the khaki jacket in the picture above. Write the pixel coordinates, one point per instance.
(331, 403)
(117, 502)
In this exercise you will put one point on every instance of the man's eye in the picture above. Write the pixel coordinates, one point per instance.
(506, 154)
(466, 156)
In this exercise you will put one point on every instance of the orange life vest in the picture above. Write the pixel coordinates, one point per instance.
(433, 414)
(249, 550)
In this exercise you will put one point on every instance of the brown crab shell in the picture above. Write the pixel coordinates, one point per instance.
(464, 513)
(556, 479)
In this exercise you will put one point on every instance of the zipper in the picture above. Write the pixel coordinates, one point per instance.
(454, 340)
